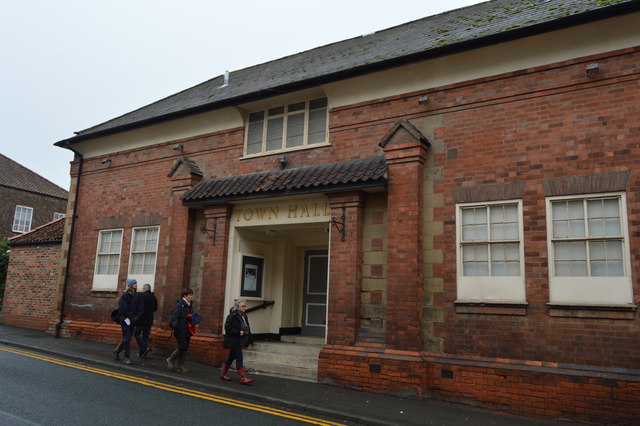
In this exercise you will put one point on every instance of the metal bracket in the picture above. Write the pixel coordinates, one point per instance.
(211, 232)
(340, 225)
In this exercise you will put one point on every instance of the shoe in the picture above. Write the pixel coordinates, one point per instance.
(128, 361)
(172, 358)
(242, 372)
(223, 373)
(145, 353)
(116, 352)
(180, 368)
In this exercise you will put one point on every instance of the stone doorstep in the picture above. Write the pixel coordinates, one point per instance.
(295, 357)
(287, 371)
(303, 340)
(285, 348)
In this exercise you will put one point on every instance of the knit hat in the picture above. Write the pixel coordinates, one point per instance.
(131, 281)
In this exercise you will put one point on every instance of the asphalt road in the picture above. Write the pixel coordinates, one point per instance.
(37, 389)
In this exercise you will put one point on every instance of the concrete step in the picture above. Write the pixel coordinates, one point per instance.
(303, 340)
(285, 348)
(295, 357)
(290, 372)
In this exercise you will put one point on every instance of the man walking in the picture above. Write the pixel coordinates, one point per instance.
(129, 314)
(143, 327)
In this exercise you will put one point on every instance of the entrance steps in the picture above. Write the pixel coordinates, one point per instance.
(294, 357)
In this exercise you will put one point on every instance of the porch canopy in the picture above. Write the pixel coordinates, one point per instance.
(333, 177)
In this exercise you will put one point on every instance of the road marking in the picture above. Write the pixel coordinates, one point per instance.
(175, 389)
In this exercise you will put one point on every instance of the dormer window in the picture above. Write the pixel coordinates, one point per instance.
(293, 126)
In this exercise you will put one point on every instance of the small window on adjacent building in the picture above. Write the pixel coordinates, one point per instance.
(22, 219)
(490, 252)
(588, 250)
(105, 276)
(57, 216)
(144, 247)
(293, 126)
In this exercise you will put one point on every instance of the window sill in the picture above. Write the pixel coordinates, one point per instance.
(491, 308)
(104, 293)
(284, 151)
(624, 312)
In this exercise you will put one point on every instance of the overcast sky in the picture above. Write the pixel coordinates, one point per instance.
(71, 64)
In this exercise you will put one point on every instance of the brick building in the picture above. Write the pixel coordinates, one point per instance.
(27, 200)
(451, 205)
(31, 291)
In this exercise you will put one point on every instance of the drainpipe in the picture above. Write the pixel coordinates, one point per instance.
(73, 223)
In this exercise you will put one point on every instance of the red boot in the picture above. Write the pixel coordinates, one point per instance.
(223, 374)
(242, 372)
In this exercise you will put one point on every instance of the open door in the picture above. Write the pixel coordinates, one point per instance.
(314, 299)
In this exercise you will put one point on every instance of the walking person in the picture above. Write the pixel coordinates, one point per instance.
(237, 336)
(129, 314)
(143, 327)
(179, 322)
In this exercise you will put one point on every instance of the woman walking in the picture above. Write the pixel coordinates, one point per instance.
(237, 336)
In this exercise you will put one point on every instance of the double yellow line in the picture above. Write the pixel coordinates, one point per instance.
(175, 389)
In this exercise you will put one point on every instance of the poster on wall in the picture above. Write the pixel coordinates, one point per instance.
(252, 276)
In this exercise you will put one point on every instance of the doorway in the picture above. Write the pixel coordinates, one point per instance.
(314, 298)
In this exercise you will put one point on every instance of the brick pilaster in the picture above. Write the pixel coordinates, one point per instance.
(404, 149)
(345, 269)
(218, 220)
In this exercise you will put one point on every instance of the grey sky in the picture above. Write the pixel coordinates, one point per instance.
(71, 64)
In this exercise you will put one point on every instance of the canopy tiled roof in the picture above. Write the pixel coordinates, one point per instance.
(353, 174)
(457, 30)
(49, 233)
(14, 175)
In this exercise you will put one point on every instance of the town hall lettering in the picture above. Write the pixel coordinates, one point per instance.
(291, 211)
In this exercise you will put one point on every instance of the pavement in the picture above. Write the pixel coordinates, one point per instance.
(309, 398)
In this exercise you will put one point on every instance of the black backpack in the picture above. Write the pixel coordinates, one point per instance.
(115, 316)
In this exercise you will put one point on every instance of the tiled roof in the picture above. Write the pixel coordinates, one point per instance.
(353, 174)
(14, 175)
(466, 28)
(51, 232)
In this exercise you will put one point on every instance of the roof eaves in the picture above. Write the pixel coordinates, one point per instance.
(377, 183)
(507, 34)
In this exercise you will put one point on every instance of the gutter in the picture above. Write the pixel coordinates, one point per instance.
(58, 325)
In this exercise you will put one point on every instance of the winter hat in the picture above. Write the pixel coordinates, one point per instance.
(131, 281)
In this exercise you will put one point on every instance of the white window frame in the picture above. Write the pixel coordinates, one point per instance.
(590, 290)
(270, 114)
(143, 276)
(57, 215)
(490, 289)
(107, 281)
(22, 219)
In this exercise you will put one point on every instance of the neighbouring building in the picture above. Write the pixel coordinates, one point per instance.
(27, 200)
(450, 205)
(31, 289)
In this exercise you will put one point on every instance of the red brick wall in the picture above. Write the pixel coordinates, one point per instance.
(525, 126)
(551, 121)
(31, 285)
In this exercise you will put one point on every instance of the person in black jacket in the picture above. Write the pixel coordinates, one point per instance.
(179, 322)
(129, 314)
(143, 327)
(237, 336)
